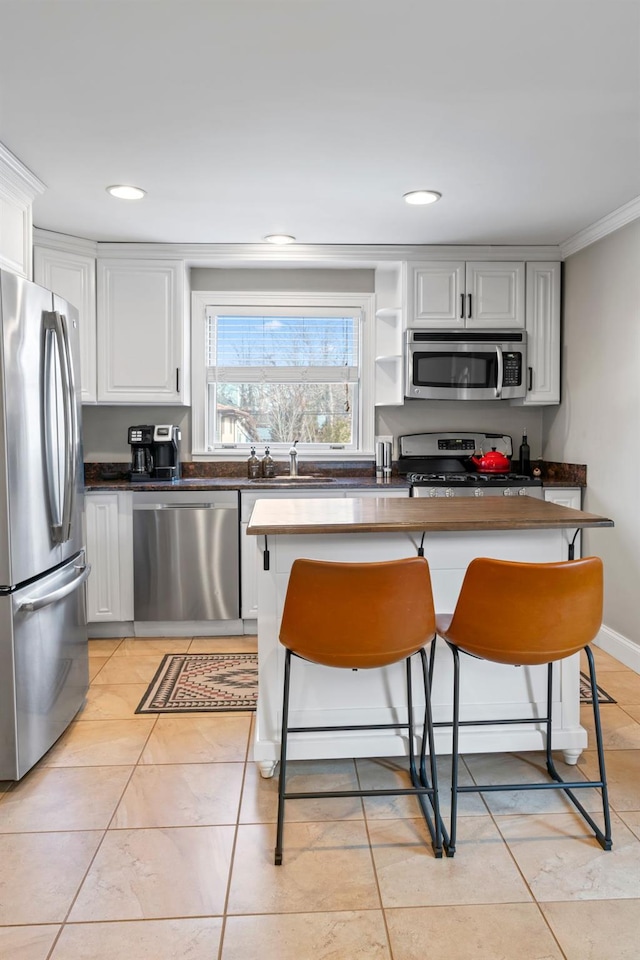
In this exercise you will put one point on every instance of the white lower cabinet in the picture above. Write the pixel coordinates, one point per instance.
(252, 548)
(567, 497)
(109, 535)
(109, 542)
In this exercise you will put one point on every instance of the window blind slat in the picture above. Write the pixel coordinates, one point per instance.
(282, 374)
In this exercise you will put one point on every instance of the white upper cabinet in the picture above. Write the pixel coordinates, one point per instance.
(73, 277)
(543, 333)
(452, 294)
(18, 189)
(142, 332)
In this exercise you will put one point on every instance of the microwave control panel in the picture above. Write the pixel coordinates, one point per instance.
(512, 369)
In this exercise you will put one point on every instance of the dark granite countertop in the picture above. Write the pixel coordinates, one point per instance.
(317, 475)
(96, 483)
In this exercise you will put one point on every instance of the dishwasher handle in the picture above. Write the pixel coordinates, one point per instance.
(183, 506)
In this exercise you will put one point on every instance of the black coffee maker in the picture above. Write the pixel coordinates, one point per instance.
(142, 460)
(155, 452)
(166, 452)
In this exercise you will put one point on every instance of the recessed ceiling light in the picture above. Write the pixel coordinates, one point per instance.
(422, 196)
(124, 192)
(280, 238)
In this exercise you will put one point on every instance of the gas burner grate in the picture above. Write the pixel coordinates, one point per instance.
(472, 479)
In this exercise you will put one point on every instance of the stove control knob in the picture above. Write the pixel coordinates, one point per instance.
(449, 492)
(478, 493)
(433, 492)
(509, 493)
(522, 492)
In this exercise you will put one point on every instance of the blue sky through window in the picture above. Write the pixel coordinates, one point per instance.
(286, 341)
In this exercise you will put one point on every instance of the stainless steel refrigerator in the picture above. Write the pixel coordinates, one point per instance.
(43, 633)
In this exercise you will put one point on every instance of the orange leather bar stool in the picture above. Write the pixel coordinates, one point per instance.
(359, 616)
(548, 611)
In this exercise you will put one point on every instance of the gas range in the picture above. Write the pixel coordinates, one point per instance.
(439, 465)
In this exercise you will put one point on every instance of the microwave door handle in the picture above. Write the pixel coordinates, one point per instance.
(500, 377)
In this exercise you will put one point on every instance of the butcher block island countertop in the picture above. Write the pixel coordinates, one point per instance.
(379, 515)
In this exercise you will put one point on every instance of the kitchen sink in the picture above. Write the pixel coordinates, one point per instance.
(308, 478)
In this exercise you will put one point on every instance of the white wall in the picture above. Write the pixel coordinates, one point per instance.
(498, 416)
(104, 429)
(598, 422)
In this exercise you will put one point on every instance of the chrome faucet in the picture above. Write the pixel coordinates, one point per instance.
(293, 460)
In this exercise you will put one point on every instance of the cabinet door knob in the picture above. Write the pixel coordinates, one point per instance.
(469, 312)
(462, 306)
(530, 383)
(177, 379)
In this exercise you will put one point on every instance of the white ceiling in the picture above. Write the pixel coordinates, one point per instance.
(313, 117)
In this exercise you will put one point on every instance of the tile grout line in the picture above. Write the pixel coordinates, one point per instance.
(65, 920)
(225, 905)
(373, 865)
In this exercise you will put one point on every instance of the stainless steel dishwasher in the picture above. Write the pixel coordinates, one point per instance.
(186, 562)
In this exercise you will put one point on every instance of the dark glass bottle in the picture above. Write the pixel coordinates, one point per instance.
(268, 464)
(525, 456)
(253, 465)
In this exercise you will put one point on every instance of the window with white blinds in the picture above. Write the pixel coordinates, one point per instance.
(281, 374)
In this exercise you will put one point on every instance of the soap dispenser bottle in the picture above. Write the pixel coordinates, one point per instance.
(253, 465)
(268, 464)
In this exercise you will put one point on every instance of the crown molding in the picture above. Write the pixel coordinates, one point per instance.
(16, 179)
(64, 243)
(321, 255)
(613, 221)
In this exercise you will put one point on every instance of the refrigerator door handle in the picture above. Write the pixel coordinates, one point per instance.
(73, 445)
(54, 325)
(30, 604)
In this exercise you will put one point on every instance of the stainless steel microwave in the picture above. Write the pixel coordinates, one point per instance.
(465, 364)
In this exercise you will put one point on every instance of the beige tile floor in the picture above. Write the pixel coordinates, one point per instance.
(152, 838)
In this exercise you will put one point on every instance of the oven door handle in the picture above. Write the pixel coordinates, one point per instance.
(500, 377)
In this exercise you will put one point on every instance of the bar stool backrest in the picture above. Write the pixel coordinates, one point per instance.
(528, 613)
(358, 615)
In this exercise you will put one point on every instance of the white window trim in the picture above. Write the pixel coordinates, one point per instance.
(202, 299)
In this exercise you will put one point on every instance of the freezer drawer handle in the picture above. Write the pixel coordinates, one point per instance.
(53, 597)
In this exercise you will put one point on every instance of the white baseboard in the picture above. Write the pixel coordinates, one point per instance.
(168, 628)
(106, 629)
(623, 649)
(187, 628)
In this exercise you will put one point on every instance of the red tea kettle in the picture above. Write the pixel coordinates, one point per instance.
(492, 462)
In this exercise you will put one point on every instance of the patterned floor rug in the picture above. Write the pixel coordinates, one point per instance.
(585, 691)
(196, 682)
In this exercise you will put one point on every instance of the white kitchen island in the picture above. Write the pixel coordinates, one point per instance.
(452, 532)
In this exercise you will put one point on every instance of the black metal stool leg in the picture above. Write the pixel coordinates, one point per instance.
(419, 782)
(283, 758)
(451, 847)
(604, 839)
(441, 834)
